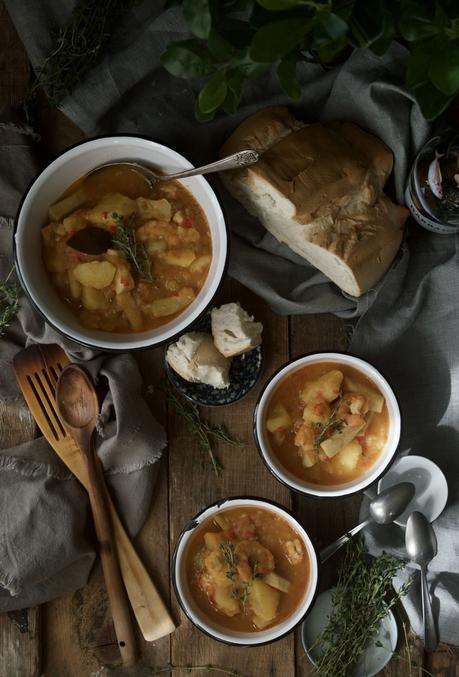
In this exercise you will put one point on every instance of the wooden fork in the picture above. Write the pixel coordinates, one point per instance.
(37, 370)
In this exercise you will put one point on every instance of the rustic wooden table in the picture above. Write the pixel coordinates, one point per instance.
(71, 636)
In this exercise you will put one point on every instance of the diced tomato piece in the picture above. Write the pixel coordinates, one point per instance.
(187, 222)
(104, 215)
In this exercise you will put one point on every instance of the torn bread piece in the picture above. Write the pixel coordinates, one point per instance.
(196, 359)
(234, 330)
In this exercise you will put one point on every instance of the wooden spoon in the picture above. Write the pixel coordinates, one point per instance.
(79, 408)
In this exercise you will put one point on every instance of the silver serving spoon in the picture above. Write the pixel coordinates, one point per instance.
(243, 158)
(384, 508)
(421, 546)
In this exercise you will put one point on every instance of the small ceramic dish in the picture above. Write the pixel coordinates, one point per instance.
(205, 622)
(304, 486)
(245, 371)
(374, 658)
(430, 483)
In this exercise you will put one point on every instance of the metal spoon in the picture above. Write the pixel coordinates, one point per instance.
(243, 158)
(384, 508)
(421, 546)
(79, 408)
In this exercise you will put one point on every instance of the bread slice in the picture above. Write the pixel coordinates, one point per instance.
(234, 330)
(196, 359)
(318, 188)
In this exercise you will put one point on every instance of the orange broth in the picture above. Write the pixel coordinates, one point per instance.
(139, 306)
(271, 531)
(288, 393)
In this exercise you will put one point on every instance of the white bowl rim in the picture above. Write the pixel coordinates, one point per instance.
(321, 491)
(245, 638)
(133, 344)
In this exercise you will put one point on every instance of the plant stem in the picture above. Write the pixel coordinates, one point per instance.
(170, 668)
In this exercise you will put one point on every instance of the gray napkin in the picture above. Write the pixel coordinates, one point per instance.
(410, 333)
(44, 546)
(131, 92)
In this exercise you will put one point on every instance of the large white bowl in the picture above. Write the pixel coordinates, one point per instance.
(46, 189)
(205, 623)
(333, 490)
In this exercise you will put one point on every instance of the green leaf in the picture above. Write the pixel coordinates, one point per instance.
(277, 38)
(417, 21)
(220, 48)
(286, 72)
(444, 67)
(187, 59)
(381, 46)
(366, 22)
(277, 5)
(329, 35)
(213, 93)
(197, 15)
(431, 100)
(250, 69)
(235, 83)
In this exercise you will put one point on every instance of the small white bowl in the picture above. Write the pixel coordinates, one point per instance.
(332, 490)
(205, 623)
(374, 657)
(49, 186)
(429, 481)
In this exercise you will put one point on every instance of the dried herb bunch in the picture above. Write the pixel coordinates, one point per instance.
(363, 597)
(9, 302)
(135, 252)
(78, 46)
(204, 431)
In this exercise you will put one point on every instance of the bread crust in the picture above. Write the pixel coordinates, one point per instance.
(325, 182)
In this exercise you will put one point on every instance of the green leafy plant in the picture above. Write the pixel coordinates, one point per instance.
(238, 40)
(363, 596)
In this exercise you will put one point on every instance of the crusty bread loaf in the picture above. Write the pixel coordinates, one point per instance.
(319, 189)
(196, 359)
(234, 330)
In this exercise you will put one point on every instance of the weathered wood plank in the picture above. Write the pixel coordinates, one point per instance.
(14, 64)
(193, 485)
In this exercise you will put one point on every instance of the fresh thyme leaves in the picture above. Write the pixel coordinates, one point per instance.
(199, 427)
(137, 255)
(9, 302)
(170, 668)
(362, 598)
(230, 558)
(79, 46)
(331, 425)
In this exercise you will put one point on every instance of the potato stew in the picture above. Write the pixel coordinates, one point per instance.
(327, 423)
(156, 259)
(247, 568)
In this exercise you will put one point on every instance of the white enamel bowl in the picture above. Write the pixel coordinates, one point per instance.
(205, 623)
(333, 490)
(47, 188)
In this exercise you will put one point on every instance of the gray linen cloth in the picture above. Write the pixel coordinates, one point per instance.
(44, 545)
(409, 319)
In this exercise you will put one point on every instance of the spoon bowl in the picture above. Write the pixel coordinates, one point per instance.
(383, 509)
(77, 399)
(421, 546)
(391, 502)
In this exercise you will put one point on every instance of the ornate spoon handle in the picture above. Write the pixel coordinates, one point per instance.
(235, 161)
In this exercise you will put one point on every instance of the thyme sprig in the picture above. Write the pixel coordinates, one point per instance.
(331, 425)
(362, 598)
(230, 558)
(171, 668)
(78, 46)
(203, 430)
(10, 294)
(135, 252)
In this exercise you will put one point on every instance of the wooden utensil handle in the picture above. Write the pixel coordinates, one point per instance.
(110, 565)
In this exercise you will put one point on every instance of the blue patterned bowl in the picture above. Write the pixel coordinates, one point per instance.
(245, 371)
